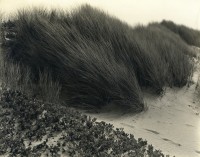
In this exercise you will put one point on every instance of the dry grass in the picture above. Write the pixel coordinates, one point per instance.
(15, 77)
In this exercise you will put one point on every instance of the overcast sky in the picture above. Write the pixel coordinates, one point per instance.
(185, 12)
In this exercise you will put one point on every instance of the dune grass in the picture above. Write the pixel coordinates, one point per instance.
(189, 35)
(97, 58)
(167, 60)
(15, 76)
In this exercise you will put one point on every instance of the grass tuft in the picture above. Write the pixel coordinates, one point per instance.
(189, 35)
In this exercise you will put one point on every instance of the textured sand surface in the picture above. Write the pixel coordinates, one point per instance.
(171, 123)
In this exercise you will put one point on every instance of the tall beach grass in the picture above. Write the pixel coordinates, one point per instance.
(96, 58)
(189, 35)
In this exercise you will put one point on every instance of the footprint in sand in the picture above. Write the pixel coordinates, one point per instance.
(177, 144)
(189, 125)
(155, 132)
(197, 151)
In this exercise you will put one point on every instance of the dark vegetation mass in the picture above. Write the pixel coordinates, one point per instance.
(32, 128)
(189, 35)
(96, 58)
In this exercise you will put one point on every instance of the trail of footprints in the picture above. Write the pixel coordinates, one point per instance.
(156, 133)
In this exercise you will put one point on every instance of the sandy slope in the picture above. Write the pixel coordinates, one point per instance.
(171, 123)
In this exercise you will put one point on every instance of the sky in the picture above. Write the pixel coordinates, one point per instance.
(133, 12)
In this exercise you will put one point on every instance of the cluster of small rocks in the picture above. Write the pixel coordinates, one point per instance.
(30, 127)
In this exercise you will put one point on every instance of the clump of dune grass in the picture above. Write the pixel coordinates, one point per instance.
(97, 58)
(18, 78)
(189, 35)
(167, 55)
